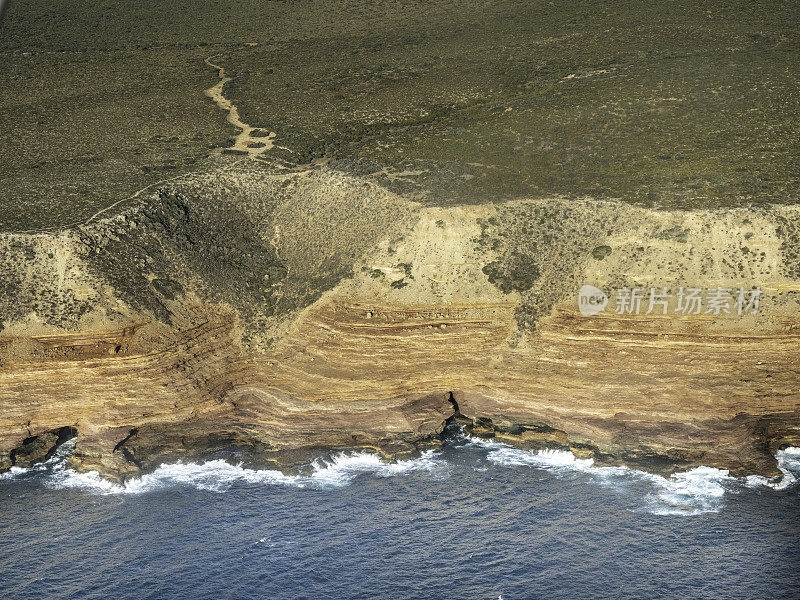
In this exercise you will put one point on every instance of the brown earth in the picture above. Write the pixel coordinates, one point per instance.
(235, 314)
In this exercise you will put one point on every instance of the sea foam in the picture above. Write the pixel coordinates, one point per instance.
(219, 475)
(695, 491)
(789, 465)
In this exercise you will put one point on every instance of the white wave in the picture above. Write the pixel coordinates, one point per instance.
(13, 473)
(219, 475)
(59, 458)
(508, 456)
(789, 465)
(696, 491)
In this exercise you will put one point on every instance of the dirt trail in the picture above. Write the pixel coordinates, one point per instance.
(253, 145)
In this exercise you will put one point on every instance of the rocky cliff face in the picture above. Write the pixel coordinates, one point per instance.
(276, 315)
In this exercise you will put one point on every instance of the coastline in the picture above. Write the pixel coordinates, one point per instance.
(286, 332)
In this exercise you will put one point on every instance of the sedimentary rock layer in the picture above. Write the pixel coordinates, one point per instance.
(278, 316)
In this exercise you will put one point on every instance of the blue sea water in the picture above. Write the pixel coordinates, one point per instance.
(472, 520)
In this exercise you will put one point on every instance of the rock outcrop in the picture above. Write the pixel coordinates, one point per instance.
(279, 315)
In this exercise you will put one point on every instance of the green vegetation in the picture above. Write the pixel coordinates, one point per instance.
(81, 132)
(601, 252)
(680, 105)
(667, 105)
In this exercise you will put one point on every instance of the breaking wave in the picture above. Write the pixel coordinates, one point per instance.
(789, 465)
(696, 491)
(219, 475)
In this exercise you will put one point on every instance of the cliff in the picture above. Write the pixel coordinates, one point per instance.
(267, 230)
(280, 315)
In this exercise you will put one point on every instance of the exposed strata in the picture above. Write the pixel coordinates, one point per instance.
(282, 315)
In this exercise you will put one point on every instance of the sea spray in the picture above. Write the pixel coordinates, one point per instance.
(788, 464)
(219, 475)
(695, 491)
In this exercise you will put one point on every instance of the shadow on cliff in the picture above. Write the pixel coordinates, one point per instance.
(184, 240)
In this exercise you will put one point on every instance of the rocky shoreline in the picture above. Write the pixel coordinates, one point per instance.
(282, 314)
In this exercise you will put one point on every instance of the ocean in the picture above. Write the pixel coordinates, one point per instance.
(475, 520)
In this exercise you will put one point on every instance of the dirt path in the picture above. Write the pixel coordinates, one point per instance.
(253, 145)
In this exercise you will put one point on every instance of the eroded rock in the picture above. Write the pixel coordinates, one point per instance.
(274, 317)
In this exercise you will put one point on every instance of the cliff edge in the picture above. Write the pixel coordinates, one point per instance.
(281, 315)
(268, 230)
